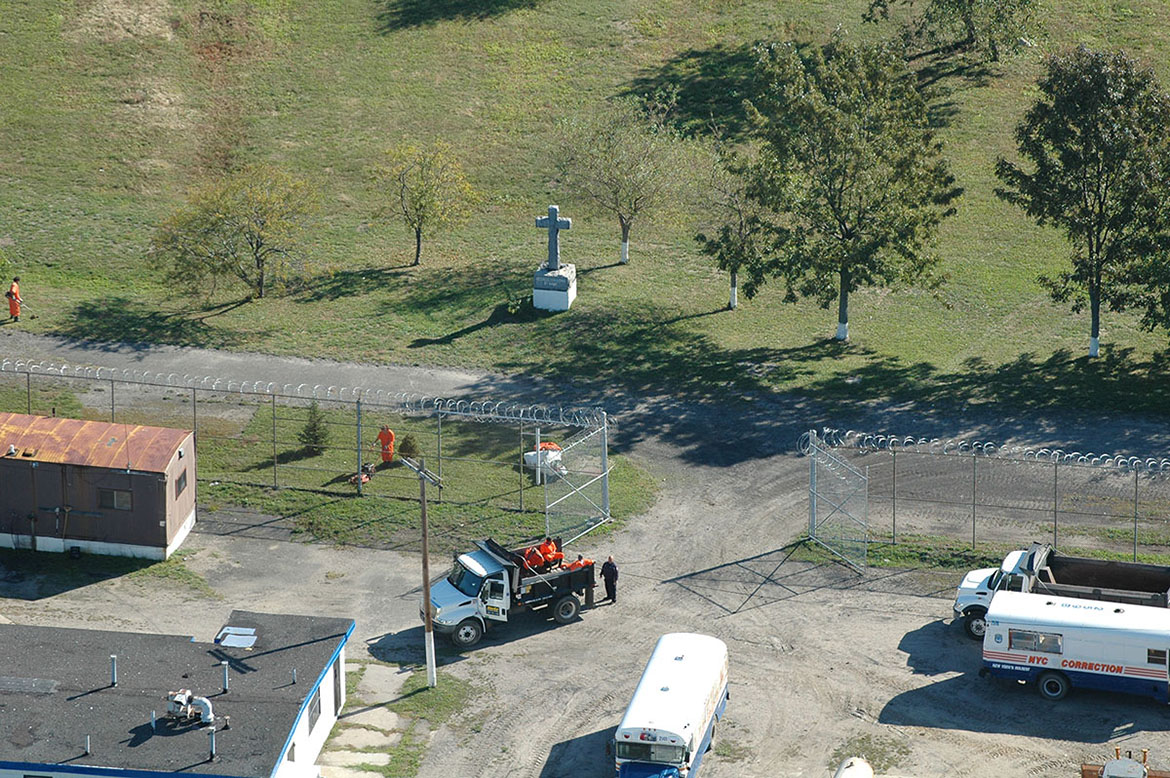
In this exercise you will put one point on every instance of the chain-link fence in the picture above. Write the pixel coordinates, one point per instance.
(838, 504)
(985, 495)
(256, 434)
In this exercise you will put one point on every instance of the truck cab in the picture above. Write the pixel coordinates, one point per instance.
(978, 586)
(476, 591)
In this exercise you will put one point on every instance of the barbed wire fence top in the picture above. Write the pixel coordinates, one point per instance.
(979, 493)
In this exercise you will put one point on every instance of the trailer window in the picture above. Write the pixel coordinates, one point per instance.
(1156, 656)
(1044, 642)
(650, 752)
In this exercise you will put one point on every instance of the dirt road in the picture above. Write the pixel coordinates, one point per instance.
(823, 659)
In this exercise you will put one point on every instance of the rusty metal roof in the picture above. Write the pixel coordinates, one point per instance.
(88, 443)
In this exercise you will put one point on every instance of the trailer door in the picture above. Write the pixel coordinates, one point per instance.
(495, 598)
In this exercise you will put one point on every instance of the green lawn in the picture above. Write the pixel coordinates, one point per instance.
(107, 116)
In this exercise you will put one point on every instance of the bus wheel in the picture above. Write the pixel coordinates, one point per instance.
(1053, 686)
(467, 634)
(566, 609)
(975, 623)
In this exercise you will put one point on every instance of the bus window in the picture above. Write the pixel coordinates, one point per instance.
(650, 752)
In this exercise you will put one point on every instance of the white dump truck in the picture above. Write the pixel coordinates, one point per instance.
(1042, 570)
(491, 584)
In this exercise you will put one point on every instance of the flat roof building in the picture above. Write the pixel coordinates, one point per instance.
(62, 716)
(102, 487)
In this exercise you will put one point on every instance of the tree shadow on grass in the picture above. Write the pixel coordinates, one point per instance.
(350, 283)
(120, 320)
(403, 14)
(712, 84)
(499, 316)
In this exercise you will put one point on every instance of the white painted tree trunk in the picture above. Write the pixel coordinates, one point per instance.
(733, 301)
(842, 330)
(1094, 347)
(625, 252)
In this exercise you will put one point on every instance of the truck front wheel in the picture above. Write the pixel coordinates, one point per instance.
(1053, 686)
(566, 609)
(975, 623)
(467, 634)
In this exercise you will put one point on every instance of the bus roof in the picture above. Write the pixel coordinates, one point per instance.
(677, 684)
(1044, 610)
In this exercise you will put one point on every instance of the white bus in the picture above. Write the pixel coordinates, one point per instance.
(1060, 643)
(670, 722)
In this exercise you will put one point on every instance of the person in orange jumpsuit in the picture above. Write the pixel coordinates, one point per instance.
(14, 301)
(533, 558)
(579, 563)
(386, 438)
(548, 550)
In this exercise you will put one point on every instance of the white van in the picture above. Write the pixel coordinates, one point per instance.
(1060, 643)
(670, 722)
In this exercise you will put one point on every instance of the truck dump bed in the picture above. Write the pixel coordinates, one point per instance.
(1134, 583)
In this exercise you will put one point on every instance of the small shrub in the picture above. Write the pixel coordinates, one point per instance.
(514, 303)
(315, 434)
(408, 446)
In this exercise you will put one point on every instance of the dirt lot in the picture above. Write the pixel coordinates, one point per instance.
(824, 660)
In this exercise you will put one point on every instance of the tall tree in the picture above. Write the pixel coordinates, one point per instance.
(426, 186)
(245, 225)
(1096, 143)
(624, 159)
(851, 166)
(740, 237)
(989, 26)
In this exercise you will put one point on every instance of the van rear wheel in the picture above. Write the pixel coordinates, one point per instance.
(1053, 686)
(566, 609)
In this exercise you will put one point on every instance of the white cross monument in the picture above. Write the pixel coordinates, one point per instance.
(554, 286)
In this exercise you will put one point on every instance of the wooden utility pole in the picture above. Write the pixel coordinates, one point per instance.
(424, 477)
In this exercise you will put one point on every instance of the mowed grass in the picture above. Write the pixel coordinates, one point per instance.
(107, 116)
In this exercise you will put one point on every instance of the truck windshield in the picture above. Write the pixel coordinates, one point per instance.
(650, 752)
(465, 581)
(993, 582)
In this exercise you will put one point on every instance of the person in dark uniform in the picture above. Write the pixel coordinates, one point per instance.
(609, 574)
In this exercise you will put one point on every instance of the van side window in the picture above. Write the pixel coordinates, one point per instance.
(1156, 656)
(1026, 640)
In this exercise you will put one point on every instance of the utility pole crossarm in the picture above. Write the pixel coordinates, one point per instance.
(422, 471)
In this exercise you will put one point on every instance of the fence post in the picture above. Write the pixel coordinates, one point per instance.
(812, 484)
(894, 495)
(195, 415)
(111, 401)
(1055, 498)
(28, 391)
(274, 482)
(439, 456)
(605, 464)
(359, 445)
(521, 465)
(1135, 513)
(974, 464)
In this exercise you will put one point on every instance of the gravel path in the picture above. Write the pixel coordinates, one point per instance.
(822, 658)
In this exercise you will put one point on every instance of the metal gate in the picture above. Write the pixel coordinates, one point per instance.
(838, 503)
(577, 489)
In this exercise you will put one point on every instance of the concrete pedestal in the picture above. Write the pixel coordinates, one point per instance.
(554, 290)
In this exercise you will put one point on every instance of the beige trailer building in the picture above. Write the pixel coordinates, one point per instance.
(100, 487)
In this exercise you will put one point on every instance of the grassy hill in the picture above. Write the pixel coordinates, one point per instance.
(111, 109)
